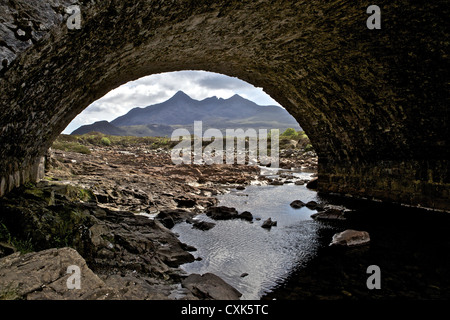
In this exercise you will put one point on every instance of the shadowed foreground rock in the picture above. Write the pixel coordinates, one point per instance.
(43, 275)
(350, 238)
(209, 286)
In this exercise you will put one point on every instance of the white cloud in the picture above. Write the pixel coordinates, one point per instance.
(160, 87)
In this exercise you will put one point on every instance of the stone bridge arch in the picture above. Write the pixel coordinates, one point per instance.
(374, 102)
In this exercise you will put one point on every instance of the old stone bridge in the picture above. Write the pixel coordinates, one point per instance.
(374, 102)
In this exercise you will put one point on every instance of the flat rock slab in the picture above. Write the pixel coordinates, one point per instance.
(329, 214)
(43, 275)
(210, 287)
(350, 238)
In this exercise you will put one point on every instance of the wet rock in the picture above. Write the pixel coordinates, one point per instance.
(299, 182)
(312, 184)
(329, 214)
(246, 216)
(297, 204)
(276, 183)
(203, 225)
(188, 248)
(311, 205)
(350, 238)
(244, 275)
(268, 224)
(183, 202)
(166, 220)
(240, 188)
(169, 216)
(222, 213)
(210, 287)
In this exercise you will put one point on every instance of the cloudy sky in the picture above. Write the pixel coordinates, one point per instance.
(160, 87)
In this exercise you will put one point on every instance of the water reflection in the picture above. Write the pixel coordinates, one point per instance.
(235, 247)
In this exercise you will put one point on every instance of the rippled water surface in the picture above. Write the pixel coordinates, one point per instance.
(235, 247)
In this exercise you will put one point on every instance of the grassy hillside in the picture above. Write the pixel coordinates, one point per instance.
(82, 143)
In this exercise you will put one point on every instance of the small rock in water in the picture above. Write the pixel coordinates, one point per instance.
(297, 204)
(246, 216)
(350, 238)
(276, 183)
(240, 188)
(244, 274)
(203, 225)
(269, 223)
(311, 205)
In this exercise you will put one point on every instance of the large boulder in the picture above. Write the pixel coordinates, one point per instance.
(350, 238)
(44, 275)
(210, 287)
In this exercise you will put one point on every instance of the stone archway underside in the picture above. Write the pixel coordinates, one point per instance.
(374, 102)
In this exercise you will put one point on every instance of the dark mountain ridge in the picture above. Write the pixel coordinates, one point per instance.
(181, 111)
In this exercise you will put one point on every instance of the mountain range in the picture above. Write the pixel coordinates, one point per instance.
(181, 111)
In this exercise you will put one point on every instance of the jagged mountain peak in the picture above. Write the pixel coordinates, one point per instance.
(181, 110)
(180, 95)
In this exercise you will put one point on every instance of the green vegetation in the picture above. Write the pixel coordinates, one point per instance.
(10, 293)
(295, 139)
(290, 133)
(71, 146)
(21, 245)
(309, 147)
(105, 141)
(81, 143)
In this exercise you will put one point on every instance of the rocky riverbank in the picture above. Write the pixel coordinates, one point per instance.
(109, 212)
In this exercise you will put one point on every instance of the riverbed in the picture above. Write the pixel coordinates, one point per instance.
(253, 259)
(293, 260)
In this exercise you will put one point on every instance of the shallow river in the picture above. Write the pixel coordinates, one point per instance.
(236, 247)
(294, 261)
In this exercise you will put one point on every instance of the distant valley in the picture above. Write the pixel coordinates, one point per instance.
(181, 111)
